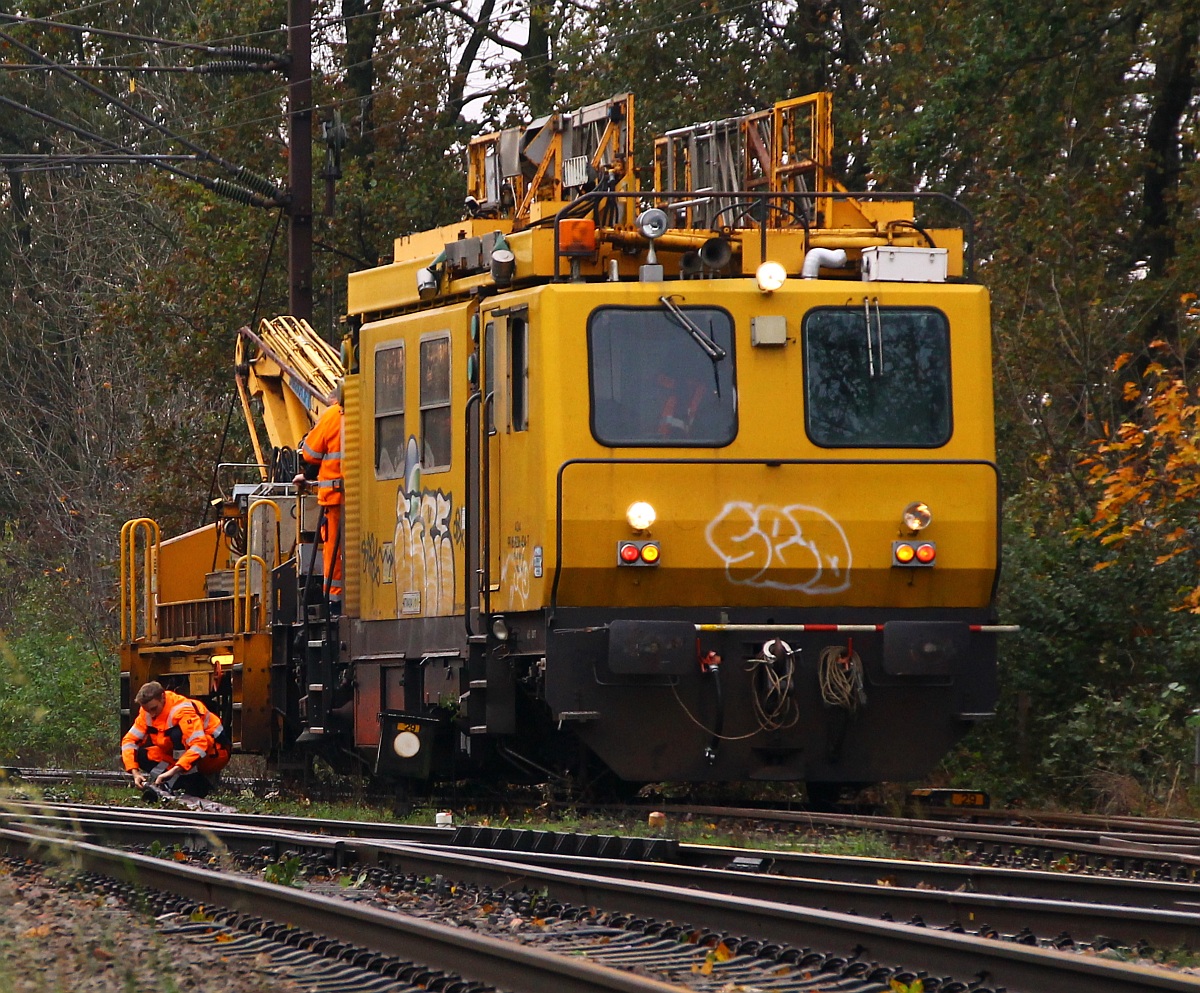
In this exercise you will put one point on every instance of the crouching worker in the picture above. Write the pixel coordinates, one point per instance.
(175, 743)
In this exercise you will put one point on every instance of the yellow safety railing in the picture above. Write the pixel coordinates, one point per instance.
(250, 528)
(243, 602)
(152, 537)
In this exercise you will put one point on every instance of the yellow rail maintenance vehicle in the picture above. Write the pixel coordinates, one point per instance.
(693, 483)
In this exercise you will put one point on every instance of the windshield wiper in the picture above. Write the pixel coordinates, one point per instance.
(710, 348)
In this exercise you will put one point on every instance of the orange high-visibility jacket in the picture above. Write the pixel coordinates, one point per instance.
(323, 446)
(196, 730)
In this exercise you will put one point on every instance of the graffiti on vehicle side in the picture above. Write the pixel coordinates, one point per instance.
(784, 548)
(423, 544)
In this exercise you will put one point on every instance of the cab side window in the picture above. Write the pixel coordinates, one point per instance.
(518, 373)
(506, 371)
(390, 438)
(435, 402)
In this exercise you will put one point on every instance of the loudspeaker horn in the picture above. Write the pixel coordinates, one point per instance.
(690, 263)
(716, 253)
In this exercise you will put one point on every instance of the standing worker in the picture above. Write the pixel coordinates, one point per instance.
(321, 452)
(178, 741)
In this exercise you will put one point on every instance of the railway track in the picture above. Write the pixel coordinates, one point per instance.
(1159, 847)
(761, 907)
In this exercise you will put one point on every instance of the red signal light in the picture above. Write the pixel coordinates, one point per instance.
(638, 553)
(906, 553)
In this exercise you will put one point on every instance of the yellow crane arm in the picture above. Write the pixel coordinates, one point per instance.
(293, 372)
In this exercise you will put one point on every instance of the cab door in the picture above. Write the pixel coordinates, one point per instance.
(510, 483)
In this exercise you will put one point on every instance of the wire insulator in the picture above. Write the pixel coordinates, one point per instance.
(230, 68)
(234, 192)
(258, 183)
(245, 53)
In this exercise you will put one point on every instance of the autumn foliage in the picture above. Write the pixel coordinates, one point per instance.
(1147, 470)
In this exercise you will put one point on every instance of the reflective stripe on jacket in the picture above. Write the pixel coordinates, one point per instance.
(323, 446)
(184, 728)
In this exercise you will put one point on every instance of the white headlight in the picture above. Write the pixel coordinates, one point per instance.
(770, 276)
(917, 516)
(640, 515)
(406, 744)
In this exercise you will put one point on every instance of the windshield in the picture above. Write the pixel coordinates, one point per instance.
(654, 383)
(877, 377)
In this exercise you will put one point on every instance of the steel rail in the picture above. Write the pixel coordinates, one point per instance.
(507, 965)
(1052, 819)
(1046, 916)
(1003, 835)
(142, 826)
(1018, 967)
(269, 822)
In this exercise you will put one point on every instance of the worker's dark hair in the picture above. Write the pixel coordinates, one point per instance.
(150, 691)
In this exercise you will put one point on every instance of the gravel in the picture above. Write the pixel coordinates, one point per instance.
(58, 938)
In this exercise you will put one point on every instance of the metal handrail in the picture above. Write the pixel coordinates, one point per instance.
(770, 200)
(264, 502)
(153, 538)
(243, 603)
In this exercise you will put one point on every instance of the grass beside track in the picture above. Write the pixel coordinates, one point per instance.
(685, 828)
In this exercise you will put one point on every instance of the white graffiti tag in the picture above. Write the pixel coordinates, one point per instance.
(424, 552)
(514, 574)
(781, 548)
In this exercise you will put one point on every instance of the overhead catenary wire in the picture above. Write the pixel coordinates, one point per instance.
(226, 51)
(224, 187)
(207, 68)
(411, 9)
(670, 21)
(244, 176)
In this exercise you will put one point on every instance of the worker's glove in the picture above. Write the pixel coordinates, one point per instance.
(299, 482)
(138, 779)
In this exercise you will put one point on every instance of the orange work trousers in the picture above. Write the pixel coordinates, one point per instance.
(331, 547)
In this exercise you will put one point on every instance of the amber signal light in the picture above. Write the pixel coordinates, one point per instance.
(638, 553)
(576, 236)
(906, 553)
